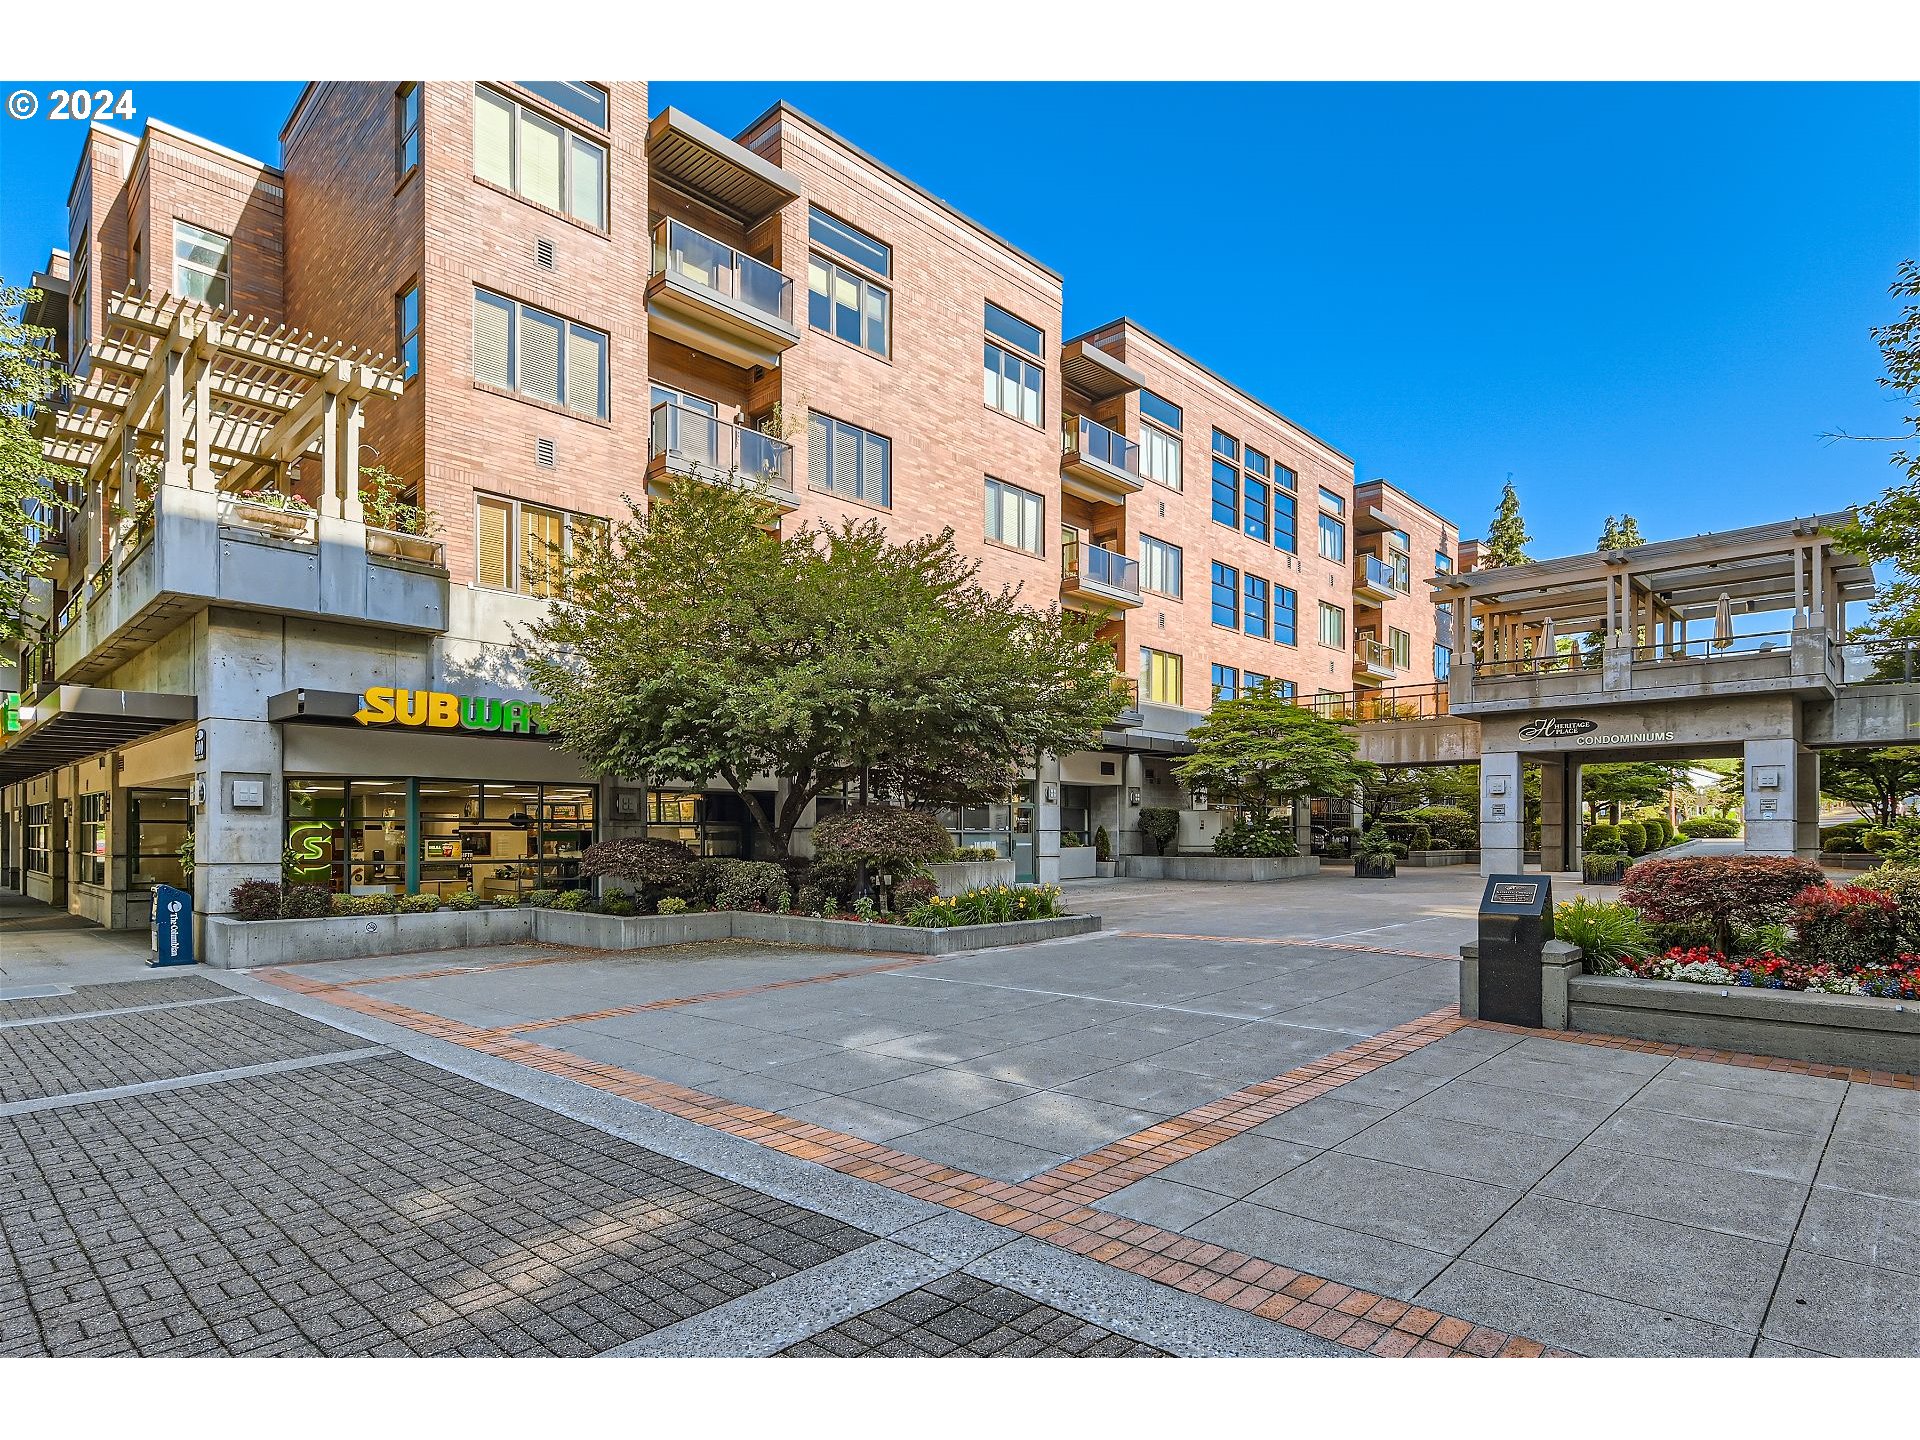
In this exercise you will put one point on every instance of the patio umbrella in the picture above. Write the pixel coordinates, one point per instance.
(1723, 622)
(1546, 646)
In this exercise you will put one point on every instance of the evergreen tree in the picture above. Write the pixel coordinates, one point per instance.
(1507, 537)
(1621, 534)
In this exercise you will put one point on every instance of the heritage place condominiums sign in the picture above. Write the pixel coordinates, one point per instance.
(1586, 733)
(439, 710)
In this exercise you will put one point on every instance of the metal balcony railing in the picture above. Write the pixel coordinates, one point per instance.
(1089, 564)
(1388, 703)
(1739, 647)
(713, 449)
(684, 253)
(1094, 441)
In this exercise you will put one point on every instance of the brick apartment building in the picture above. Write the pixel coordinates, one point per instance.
(528, 299)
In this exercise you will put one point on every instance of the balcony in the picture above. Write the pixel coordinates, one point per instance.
(711, 297)
(1129, 688)
(1373, 581)
(1372, 661)
(196, 548)
(1096, 463)
(1101, 578)
(686, 444)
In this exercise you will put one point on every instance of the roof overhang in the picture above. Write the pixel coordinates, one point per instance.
(342, 707)
(1092, 372)
(695, 158)
(75, 722)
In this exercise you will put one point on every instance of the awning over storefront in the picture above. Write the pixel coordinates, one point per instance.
(73, 722)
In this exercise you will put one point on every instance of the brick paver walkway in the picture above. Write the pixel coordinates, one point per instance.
(964, 1316)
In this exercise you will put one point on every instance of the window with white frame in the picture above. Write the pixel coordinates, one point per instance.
(579, 98)
(538, 159)
(201, 262)
(1160, 456)
(842, 299)
(543, 356)
(526, 547)
(846, 460)
(1014, 516)
(1160, 567)
(1333, 626)
(1014, 382)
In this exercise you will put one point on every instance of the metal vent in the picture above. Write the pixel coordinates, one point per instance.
(543, 452)
(543, 253)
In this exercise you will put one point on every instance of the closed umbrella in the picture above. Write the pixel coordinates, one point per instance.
(1547, 645)
(1723, 622)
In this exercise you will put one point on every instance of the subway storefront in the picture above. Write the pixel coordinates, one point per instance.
(404, 791)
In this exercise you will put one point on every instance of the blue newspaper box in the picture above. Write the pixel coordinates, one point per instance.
(172, 926)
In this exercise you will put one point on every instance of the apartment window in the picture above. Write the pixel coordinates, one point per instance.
(1442, 662)
(847, 305)
(201, 262)
(1330, 501)
(1160, 456)
(528, 547)
(1014, 516)
(80, 305)
(1255, 608)
(578, 98)
(1016, 332)
(1333, 537)
(1160, 410)
(1226, 596)
(849, 244)
(1226, 682)
(1285, 689)
(1013, 384)
(517, 347)
(92, 856)
(1442, 563)
(406, 325)
(1333, 626)
(1401, 644)
(1159, 677)
(537, 159)
(1159, 567)
(39, 837)
(1285, 527)
(1286, 621)
(845, 460)
(406, 129)
(1285, 478)
(1226, 493)
(1254, 513)
(1251, 683)
(1402, 566)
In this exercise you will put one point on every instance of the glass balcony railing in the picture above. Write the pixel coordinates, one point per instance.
(714, 449)
(699, 260)
(1374, 655)
(1380, 574)
(1089, 564)
(1094, 441)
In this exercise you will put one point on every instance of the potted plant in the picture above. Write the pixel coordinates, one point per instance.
(273, 511)
(1375, 854)
(1102, 854)
(395, 526)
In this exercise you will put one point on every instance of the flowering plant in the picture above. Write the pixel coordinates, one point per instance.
(275, 500)
(1898, 979)
(988, 905)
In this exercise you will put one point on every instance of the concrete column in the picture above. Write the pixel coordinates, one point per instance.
(1576, 814)
(1806, 810)
(1046, 821)
(1133, 780)
(1502, 814)
(1303, 825)
(1555, 821)
(1771, 801)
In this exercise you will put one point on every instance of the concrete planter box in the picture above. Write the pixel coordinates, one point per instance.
(1077, 862)
(231, 944)
(1103, 869)
(958, 876)
(1434, 859)
(1848, 860)
(1216, 867)
(1852, 1030)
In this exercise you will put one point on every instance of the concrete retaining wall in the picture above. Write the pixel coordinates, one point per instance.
(245, 944)
(1852, 1030)
(958, 876)
(1216, 867)
(1434, 859)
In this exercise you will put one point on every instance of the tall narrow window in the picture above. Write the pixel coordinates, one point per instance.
(1160, 680)
(1160, 456)
(1401, 643)
(1255, 607)
(1014, 516)
(1226, 493)
(406, 324)
(201, 262)
(1254, 508)
(1285, 526)
(1013, 384)
(1286, 616)
(1226, 596)
(1333, 626)
(1159, 567)
(406, 129)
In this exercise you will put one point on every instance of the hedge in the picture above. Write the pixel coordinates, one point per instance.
(1634, 836)
(1720, 891)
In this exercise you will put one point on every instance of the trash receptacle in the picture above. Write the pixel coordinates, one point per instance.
(172, 921)
(1516, 922)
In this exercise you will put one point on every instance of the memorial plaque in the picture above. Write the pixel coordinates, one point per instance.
(1516, 921)
(1516, 892)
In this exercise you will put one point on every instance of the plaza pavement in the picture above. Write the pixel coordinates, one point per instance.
(1242, 1119)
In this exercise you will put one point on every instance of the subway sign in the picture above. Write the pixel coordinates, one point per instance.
(439, 710)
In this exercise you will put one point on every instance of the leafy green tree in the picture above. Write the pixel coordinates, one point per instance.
(1873, 781)
(694, 642)
(1258, 752)
(1888, 529)
(1621, 534)
(29, 372)
(1507, 537)
(1626, 784)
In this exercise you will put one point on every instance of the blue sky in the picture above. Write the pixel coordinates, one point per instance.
(1652, 298)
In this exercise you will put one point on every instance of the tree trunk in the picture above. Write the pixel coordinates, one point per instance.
(776, 843)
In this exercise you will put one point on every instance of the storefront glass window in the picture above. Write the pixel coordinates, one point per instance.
(92, 857)
(158, 823)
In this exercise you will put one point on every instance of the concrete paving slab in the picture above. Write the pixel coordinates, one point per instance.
(940, 1095)
(1839, 1308)
(841, 1072)
(1322, 1122)
(1367, 1261)
(1531, 1112)
(1871, 1170)
(1163, 1202)
(1762, 1207)
(1413, 1207)
(1802, 1114)
(1573, 1319)
(1146, 1085)
(853, 1117)
(1711, 1142)
(1061, 1123)
(991, 1155)
(1868, 1230)
(1447, 1147)
(1236, 1168)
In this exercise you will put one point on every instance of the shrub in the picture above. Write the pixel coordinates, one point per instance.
(1159, 827)
(621, 905)
(1718, 891)
(541, 898)
(1407, 836)
(255, 900)
(1262, 837)
(979, 852)
(1376, 846)
(1634, 836)
(809, 900)
(1607, 932)
(1599, 834)
(1844, 925)
(1841, 842)
(1102, 844)
(1340, 841)
(750, 885)
(570, 900)
(882, 836)
(1709, 827)
(422, 904)
(1898, 844)
(365, 904)
(1902, 883)
(656, 866)
(994, 905)
(306, 902)
(1660, 831)
(673, 905)
(459, 900)
(1605, 867)
(1610, 844)
(1452, 828)
(913, 892)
